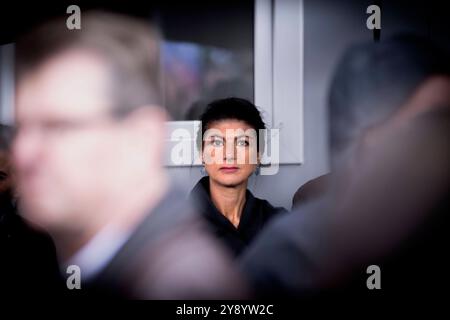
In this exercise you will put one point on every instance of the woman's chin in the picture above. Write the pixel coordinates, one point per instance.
(231, 180)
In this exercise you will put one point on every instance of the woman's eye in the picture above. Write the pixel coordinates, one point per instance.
(217, 143)
(242, 143)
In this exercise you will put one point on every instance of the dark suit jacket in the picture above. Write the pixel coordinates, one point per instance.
(168, 256)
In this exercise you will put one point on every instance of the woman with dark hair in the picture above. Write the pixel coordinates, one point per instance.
(231, 147)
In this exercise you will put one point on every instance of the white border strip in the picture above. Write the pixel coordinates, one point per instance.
(7, 84)
(288, 79)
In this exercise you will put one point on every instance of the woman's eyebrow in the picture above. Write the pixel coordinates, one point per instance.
(214, 136)
(243, 136)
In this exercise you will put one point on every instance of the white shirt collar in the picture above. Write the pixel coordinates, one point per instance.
(94, 256)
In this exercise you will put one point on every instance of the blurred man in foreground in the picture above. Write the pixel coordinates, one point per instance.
(89, 159)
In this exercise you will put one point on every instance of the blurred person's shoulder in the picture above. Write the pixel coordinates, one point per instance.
(281, 262)
(188, 263)
(312, 189)
(299, 223)
(265, 207)
(172, 255)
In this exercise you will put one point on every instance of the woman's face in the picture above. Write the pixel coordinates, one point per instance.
(230, 151)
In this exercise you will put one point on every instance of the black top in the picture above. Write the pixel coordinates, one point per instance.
(255, 214)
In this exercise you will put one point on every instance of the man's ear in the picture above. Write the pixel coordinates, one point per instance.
(148, 117)
(146, 127)
(144, 131)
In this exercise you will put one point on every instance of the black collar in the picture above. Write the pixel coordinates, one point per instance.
(250, 212)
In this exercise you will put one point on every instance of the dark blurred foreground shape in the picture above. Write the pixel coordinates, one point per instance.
(386, 201)
(88, 153)
(310, 190)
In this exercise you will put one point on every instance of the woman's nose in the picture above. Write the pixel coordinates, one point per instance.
(230, 151)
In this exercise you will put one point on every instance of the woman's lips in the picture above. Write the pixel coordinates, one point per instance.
(229, 169)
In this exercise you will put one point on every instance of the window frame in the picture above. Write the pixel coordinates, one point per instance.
(7, 84)
(278, 83)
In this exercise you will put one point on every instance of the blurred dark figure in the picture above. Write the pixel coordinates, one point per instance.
(369, 85)
(387, 200)
(28, 266)
(89, 159)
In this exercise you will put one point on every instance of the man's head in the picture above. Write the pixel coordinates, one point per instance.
(88, 126)
(374, 81)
